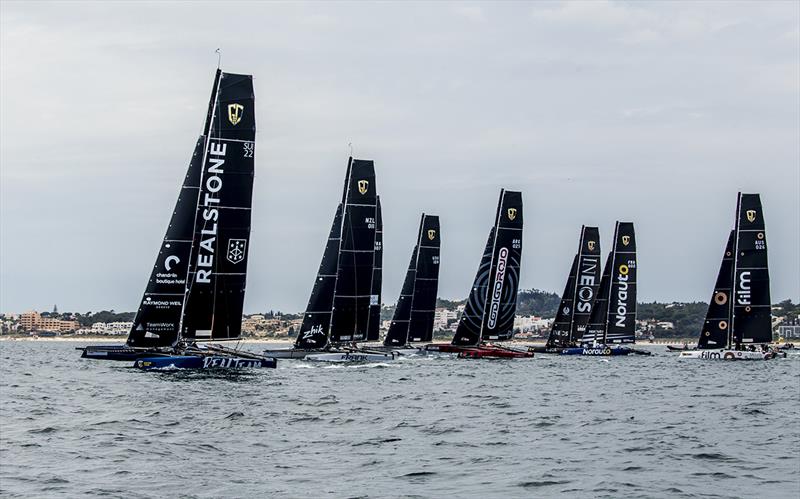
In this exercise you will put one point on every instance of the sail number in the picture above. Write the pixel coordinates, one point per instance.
(516, 243)
(435, 259)
(249, 149)
(631, 264)
(370, 221)
(761, 245)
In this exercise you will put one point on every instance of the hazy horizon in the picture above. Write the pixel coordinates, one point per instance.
(656, 112)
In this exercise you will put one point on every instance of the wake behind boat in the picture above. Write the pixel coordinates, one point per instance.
(738, 323)
(195, 293)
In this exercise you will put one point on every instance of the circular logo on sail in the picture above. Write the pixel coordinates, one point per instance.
(720, 298)
(723, 325)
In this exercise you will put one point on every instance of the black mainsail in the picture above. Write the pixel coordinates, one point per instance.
(716, 327)
(492, 303)
(198, 281)
(613, 318)
(347, 284)
(416, 306)
(579, 293)
(217, 273)
(752, 314)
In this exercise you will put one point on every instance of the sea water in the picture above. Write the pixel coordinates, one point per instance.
(421, 427)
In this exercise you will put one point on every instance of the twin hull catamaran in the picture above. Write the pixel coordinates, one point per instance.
(491, 306)
(577, 301)
(612, 322)
(344, 307)
(195, 293)
(738, 323)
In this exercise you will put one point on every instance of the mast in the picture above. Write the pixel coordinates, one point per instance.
(752, 313)
(718, 317)
(218, 265)
(158, 319)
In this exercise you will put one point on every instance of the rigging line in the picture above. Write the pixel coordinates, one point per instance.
(219, 57)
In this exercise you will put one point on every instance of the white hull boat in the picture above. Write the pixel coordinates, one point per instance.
(725, 354)
(352, 357)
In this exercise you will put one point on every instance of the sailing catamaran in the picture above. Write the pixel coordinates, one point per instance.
(613, 317)
(344, 307)
(739, 312)
(416, 307)
(492, 303)
(579, 295)
(195, 293)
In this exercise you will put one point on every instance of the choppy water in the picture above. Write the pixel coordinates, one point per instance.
(578, 427)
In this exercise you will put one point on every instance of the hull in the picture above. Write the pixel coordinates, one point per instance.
(555, 350)
(724, 354)
(203, 362)
(290, 353)
(485, 351)
(116, 352)
(347, 357)
(493, 352)
(599, 351)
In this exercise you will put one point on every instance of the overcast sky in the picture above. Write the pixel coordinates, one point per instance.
(656, 113)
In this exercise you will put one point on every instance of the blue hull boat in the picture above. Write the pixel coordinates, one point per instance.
(598, 351)
(116, 352)
(204, 362)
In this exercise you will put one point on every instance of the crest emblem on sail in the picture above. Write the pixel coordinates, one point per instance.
(236, 249)
(751, 216)
(431, 234)
(363, 186)
(512, 213)
(626, 240)
(590, 245)
(235, 113)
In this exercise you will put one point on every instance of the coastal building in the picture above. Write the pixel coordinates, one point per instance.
(443, 318)
(33, 321)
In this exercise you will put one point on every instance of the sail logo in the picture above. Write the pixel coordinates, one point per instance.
(235, 113)
(743, 293)
(363, 186)
(209, 201)
(314, 331)
(236, 249)
(586, 290)
(622, 295)
(590, 245)
(512, 213)
(751, 215)
(497, 289)
(170, 261)
(626, 240)
(431, 234)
